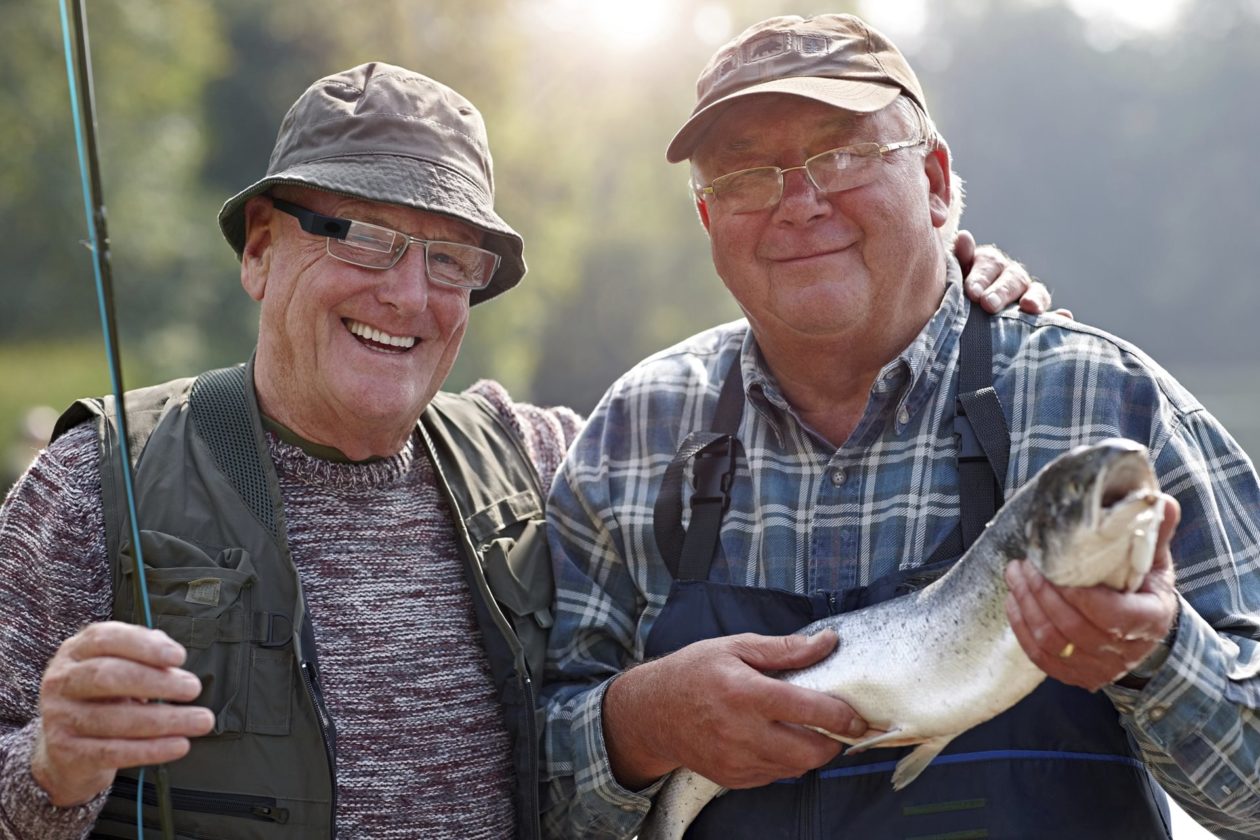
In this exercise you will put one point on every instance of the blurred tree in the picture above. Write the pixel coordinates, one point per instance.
(1120, 175)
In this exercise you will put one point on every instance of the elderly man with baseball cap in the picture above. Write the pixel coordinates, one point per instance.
(843, 444)
(345, 567)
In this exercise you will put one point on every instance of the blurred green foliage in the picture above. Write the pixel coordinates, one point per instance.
(1122, 176)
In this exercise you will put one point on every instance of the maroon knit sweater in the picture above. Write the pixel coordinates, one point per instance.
(421, 746)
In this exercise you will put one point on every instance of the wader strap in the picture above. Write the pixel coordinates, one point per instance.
(984, 440)
(689, 554)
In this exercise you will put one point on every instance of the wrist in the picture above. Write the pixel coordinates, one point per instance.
(1145, 671)
(635, 761)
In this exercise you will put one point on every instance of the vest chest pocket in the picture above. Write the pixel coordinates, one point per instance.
(204, 599)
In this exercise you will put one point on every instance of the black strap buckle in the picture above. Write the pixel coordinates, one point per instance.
(712, 483)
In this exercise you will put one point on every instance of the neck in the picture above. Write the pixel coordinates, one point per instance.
(356, 437)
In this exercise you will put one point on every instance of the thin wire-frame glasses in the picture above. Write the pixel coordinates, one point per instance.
(372, 246)
(835, 170)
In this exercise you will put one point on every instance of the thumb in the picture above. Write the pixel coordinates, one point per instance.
(782, 653)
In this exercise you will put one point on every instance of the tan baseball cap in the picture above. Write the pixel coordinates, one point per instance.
(388, 134)
(835, 59)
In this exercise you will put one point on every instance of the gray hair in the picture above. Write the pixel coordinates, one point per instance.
(919, 120)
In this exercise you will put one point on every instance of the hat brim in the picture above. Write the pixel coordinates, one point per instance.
(850, 94)
(392, 179)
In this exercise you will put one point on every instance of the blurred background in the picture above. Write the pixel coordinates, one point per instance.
(1109, 144)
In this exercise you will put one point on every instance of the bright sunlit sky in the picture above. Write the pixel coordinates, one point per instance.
(634, 25)
(631, 25)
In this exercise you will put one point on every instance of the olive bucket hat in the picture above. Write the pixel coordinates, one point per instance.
(387, 134)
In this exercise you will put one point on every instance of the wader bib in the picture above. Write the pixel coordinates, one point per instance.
(1056, 765)
(223, 584)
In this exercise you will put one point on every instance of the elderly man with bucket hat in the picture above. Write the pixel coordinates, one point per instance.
(843, 444)
(345, 566)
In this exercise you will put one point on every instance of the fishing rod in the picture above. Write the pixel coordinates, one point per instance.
(83, 108)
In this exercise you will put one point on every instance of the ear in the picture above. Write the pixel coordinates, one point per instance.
(702, 210)
(940, 186)
(256, 258)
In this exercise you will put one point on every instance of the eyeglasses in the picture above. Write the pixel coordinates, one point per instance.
(836, 170)
(372, 246)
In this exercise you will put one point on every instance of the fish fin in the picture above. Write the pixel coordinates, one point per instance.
(909, 768)
(862, 746)
(679, 801)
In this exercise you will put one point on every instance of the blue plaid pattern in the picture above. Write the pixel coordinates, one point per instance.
(806, 516)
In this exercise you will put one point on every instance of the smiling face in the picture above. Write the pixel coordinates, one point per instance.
(347, 356)
(864, 263)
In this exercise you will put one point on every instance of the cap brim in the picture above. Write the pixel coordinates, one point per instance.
(391, 179)
(851, 95)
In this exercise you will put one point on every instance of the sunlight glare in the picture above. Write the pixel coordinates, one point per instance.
(626, 24)
(901, 20)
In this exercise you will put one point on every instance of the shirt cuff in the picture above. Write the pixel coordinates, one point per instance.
(25, 809)
(611, 803)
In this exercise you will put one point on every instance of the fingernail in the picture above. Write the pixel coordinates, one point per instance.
(856, 727)
(992, 300)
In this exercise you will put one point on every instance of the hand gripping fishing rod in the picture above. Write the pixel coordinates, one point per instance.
(83, 107)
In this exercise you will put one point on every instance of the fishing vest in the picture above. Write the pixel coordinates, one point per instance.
(222, 583)
(1057, 764)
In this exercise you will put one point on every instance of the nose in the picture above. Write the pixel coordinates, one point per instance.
(802, 201)
(406, 286)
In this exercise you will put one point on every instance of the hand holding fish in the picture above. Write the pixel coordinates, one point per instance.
(709, 707)
(1091, 636)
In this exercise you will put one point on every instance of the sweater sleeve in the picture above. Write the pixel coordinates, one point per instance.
(54, 578)
(547, 432)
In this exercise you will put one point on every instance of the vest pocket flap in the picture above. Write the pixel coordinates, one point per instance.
(519, 573)
(183, 579)
(491, 519)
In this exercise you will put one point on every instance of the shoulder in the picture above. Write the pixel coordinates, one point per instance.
(545, 432)
(673, 382)
(1098, 362)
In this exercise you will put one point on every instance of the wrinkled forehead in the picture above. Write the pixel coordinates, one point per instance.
(769, 123)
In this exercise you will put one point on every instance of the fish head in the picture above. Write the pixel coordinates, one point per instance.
(1094, 516)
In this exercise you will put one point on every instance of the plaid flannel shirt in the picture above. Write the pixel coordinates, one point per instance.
(808, 516)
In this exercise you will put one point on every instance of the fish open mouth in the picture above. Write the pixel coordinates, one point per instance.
(1127, 514)
(1130, 477)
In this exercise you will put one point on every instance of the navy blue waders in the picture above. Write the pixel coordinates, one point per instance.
(1057, 765)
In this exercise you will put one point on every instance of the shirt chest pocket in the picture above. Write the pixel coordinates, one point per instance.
(205, 599)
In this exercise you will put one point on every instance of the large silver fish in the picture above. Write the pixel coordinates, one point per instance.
(924, 668)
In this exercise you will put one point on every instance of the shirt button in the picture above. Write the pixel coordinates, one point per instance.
(903, 415)
(838, 476)
(1157, 713)
(628, 808)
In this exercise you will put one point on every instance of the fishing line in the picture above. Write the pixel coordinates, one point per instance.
(83, 109)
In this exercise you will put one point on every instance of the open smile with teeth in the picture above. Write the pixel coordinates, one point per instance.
(378, 340)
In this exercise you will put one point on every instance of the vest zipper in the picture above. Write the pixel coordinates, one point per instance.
(310, 680)
(534, 772)
(262, 808)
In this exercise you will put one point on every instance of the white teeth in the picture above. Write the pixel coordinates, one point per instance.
(372, 334)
